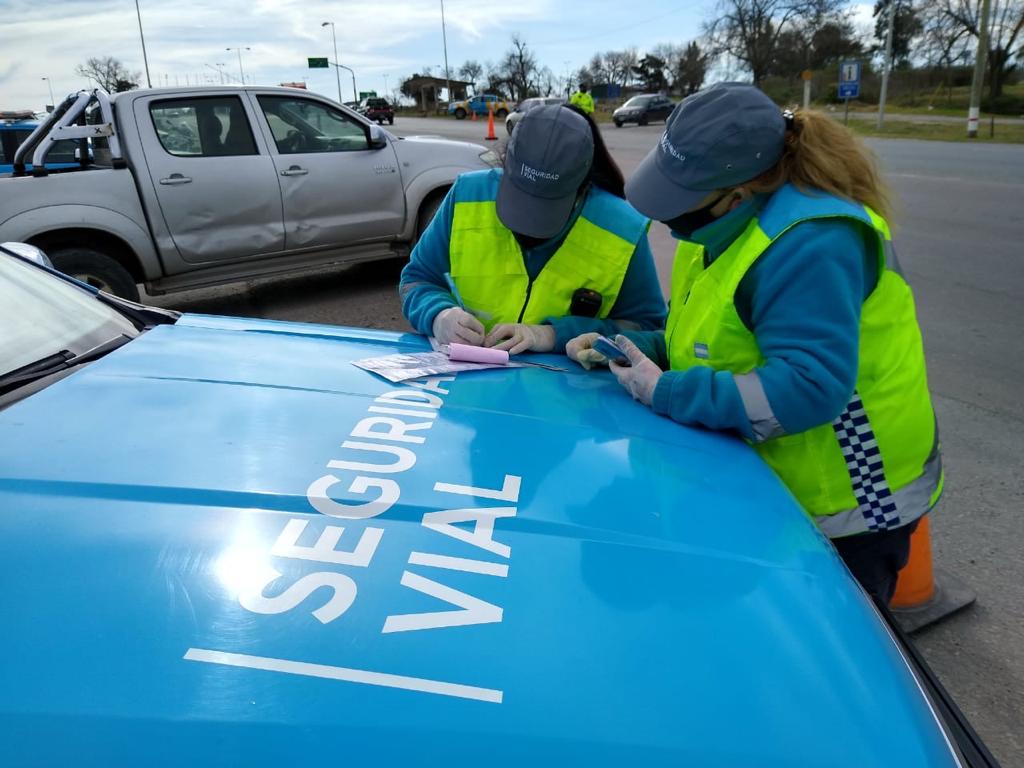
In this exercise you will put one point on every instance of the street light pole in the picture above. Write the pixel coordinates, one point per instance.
(337, 72)
(444, 38)
(238, 50)
(217, 68)
(979, 73)
(355, 94)
(50, 86)
(888, 65)
(145, 59)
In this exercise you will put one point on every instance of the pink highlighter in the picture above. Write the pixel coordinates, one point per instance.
(464, 353)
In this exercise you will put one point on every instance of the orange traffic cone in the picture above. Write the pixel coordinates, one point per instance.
(472, 113)
(921, 598)
(490, 126)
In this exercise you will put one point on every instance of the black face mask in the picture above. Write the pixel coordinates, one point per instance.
(687, 223)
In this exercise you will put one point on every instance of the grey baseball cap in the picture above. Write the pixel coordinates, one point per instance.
(719, 137)
(548, 157)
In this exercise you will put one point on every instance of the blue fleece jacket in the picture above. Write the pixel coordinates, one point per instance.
(802, 301)
(424, 289)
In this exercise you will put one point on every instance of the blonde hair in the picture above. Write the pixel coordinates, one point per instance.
(822, 154)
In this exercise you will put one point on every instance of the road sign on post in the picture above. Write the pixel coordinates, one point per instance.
(849, 80)
(849, 84)
(318, 63)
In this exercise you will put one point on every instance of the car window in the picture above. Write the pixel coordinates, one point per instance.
(203, 127)
(638, 101)
(63, 152)
(300, 126)
(42, 314)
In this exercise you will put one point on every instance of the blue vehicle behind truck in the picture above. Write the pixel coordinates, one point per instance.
(224, 544)
(15, 127)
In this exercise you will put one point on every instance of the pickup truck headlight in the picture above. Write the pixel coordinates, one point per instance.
(490, 157)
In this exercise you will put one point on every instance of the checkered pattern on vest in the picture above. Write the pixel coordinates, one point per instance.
(864, 463)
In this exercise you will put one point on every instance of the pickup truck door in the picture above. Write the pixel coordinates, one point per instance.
(337, 189)
(218, 192)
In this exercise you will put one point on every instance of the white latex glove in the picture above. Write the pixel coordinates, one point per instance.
(581, 349)
(641, 377)
(456, 324)
(516, 338)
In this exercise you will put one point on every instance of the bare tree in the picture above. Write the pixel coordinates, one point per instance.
(547, 82)
(1006, 26)
(471, 72)
(670, 53)
(109, 73)
(519, 67)
(749, 30)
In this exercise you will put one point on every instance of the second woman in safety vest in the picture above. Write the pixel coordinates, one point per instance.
(791, 323)
(527, 257)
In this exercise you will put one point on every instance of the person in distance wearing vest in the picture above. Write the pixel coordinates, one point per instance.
(583, 99)
(528, 257)
(790, 322)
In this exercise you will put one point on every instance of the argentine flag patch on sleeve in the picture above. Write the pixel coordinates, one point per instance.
(701, 351)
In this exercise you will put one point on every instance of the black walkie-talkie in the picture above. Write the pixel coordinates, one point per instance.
(586, 302)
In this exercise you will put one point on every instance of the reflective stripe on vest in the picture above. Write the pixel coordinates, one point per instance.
(877, 466)
(488, 268)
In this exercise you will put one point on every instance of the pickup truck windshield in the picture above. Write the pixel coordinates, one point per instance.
(42, 315)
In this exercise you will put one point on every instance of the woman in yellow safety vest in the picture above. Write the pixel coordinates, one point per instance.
(790, 322)
(526, 258)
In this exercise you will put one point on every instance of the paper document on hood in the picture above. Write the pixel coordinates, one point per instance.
(396, 368)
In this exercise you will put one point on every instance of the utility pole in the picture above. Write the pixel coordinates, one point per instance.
(979, 73)
(53, 104)
(444, 38)
(355, 93)
(337, 72)
(888, 65)
(145, 60)
(239, 50)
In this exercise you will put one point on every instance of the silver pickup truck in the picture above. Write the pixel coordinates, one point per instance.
(187, 187)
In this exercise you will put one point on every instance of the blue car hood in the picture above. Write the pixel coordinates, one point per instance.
(224, 544)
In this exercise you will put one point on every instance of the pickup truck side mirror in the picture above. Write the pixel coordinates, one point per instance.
(378, 139)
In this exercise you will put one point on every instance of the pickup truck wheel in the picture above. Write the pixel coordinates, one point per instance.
(427, 211)
(96, 269)
(460, 114)
(501, 113)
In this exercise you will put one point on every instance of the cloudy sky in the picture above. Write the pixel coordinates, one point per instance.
(186, 39)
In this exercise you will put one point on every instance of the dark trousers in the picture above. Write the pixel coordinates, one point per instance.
(875, 559)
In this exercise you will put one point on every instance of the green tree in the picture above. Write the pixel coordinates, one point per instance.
(906, 27)
(651, 72)
(692, 69)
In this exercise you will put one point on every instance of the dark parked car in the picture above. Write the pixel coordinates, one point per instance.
(644, 109)
(377, 110)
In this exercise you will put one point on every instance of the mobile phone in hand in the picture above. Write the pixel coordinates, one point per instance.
(611, 350)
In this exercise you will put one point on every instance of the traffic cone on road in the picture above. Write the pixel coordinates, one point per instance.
(923, 596)
(490, 126)
(472, 113)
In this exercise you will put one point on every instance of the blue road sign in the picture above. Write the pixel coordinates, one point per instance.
(849, 80)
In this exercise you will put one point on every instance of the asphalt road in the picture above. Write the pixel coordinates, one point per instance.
(959, 235)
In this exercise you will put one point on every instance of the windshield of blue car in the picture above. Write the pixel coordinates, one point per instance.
(41, 315)
(638, 101)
